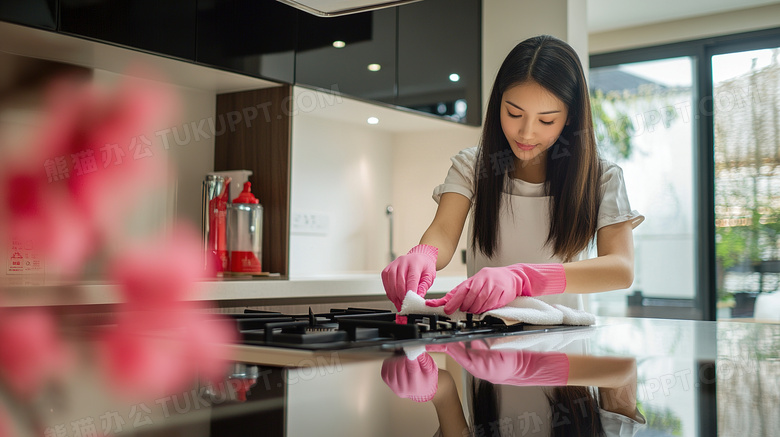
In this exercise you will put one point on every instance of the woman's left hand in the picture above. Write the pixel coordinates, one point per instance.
(495, 287)
(506, 366)
(490, 288)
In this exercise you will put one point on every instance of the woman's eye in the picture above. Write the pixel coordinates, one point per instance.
(513, 115)
(546, 122)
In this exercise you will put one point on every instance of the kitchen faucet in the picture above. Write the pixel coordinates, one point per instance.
(389, 212)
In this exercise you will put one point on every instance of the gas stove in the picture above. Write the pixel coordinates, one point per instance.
(349, 328)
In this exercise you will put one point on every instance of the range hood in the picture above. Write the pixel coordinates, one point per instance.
(335, 8)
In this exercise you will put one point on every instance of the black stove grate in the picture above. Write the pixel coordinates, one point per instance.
(361, 327)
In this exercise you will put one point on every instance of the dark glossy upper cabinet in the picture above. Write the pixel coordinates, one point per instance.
(161, 26)
(364, 67)
(439, 58)
(35, 13)
(254, 37)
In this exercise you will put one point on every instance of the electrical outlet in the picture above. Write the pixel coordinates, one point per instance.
(309, 223)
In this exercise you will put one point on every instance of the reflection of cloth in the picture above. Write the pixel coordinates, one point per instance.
(524, 218)
(523, 309)
(554, 341)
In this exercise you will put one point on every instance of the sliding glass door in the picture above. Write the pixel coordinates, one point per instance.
(695, 127)
(642, 113)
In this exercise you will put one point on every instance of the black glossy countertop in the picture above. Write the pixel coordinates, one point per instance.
(691, 379)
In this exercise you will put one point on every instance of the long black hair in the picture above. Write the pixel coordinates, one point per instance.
(574, 410)
(573, 168)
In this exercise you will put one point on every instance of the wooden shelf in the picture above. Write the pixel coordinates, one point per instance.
(261, 142)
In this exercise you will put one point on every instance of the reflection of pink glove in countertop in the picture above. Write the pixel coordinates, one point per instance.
(415, 378)
(414, 271)
(512, 367)
(495, 287)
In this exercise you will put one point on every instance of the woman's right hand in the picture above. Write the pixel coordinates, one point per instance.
(414, 271)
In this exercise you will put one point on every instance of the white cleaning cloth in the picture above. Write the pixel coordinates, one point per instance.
(521, 310)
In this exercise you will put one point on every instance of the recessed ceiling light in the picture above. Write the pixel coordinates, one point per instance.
(454, 77)
(339, 44)
(372, 120)
(374, 67)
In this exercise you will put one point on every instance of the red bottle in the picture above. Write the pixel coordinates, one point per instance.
(245, 232)
(217, 234)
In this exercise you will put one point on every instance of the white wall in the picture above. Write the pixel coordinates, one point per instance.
(420, 163)
(745, 20)
(342, 171)
(349, 172)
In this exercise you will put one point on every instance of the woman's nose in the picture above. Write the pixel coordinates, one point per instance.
(524, 129)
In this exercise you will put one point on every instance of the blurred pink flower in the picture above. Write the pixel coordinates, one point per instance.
(93, 159)
(209, 348)
(163, 339)
(142, 363)
(156, 274)
(6, 430)
(108, 126)
(43, 214)
(32, 352)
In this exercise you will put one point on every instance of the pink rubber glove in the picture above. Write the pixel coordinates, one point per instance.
(512, 367)
(416, 379)
(414, 271)
(495, 287)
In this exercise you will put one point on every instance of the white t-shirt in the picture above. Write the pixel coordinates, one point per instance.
(524, 221)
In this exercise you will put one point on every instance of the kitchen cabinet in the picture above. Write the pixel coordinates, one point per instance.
(254, 37)
(354, 55)
(433, 47)
(164, 27)
(35, 13)
(427, 60)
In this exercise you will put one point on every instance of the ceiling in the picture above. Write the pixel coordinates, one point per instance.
(604, 15)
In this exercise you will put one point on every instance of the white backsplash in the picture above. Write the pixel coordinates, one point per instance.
(343, 177)
(341, 174)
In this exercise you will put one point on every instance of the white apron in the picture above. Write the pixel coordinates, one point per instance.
(524, 223)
